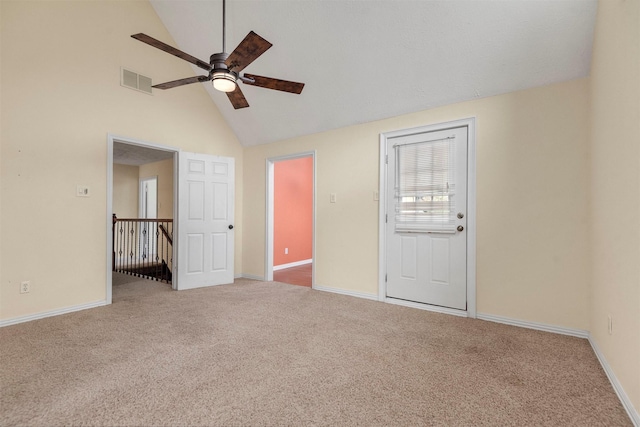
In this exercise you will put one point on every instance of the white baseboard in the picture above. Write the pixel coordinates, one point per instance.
(622, 395)
(534, 325)
(57, 312)
(250, 277)
(427, 307)
(617, 387)
(292, 264)
(346, 292)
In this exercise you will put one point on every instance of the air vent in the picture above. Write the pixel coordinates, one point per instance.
(135, 81)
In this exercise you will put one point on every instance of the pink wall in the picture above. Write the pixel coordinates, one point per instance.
(293, 210)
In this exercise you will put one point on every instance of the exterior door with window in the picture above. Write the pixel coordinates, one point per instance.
(426, 197)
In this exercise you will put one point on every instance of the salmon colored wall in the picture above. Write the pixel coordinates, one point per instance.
(293, 210)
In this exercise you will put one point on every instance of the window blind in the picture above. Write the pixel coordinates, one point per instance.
(425, 187)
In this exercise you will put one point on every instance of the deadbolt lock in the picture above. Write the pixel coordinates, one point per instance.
(460, 215)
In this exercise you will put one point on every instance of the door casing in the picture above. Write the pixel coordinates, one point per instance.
(268, 266)
(470, 123)
(131, 141)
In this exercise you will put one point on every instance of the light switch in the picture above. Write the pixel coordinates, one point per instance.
(376, 196)
(333, 198)
(82, 191)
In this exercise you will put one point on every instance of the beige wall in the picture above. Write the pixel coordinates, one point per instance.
(125, 190)
(164, 171)
(61, 96)
(615, 190)
(531, 209)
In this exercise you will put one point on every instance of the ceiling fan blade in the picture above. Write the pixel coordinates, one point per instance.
(237, 98)
(181, 82)
(247, 51)
(275, 84)
(172, 50)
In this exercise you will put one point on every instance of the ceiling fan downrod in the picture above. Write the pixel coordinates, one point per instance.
(224, 25)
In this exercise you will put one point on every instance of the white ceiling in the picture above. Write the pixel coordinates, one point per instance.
(368, 60)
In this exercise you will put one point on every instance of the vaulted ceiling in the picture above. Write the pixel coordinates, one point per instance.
(368, 60)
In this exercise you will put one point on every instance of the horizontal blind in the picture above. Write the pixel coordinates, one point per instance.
(425, 187)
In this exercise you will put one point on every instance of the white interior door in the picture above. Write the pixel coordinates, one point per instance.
(148, 210)
(426, 242)
(205, 220)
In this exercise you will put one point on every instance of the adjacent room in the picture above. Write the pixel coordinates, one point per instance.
(250, 212)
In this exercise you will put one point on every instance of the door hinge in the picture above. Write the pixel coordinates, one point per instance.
(386, 159)
(385, 277)
(386, 218)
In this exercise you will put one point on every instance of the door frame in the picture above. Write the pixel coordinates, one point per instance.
(269, 239)
(131, 141)
(470, 123)
(141, 204)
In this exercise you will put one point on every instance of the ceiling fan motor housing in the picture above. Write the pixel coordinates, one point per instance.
(223, 78)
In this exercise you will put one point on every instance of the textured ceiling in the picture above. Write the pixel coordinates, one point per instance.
(368, 60)
(136, 155)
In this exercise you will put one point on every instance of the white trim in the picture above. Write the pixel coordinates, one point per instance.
(382, 226)
(250, 277)
(534, 325)
(579, 333)
(131, 141)
(292, 264)
(141, 191)
(617, 387)
(109, 248)
(470, 123)
(373, 297)
(269, 214)
(427, 307)
(57, 312)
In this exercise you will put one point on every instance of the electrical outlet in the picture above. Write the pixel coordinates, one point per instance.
(333, 197)
(25, 287)
(376, 196)
(610, 324)
(286, 251)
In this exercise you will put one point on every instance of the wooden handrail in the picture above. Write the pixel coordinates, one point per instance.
(143, 219)
(166, 234)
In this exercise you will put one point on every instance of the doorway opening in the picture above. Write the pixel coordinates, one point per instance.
(290, 241)
(141, 206)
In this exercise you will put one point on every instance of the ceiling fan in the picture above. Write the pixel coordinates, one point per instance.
(224, 69)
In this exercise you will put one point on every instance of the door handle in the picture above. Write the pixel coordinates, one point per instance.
(460, 228)
(230, 227)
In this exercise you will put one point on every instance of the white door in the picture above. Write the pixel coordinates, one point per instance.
(426, 218)
(148, 210)
(205, 220)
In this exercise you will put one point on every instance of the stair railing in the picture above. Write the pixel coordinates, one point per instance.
(143, 247)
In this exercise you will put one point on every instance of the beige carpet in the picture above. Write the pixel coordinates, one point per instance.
(255, 353)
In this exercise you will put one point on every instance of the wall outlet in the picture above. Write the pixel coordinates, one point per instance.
(286, 251)
(376, 196)
(333, 197)
(25, 287)
(609, 325)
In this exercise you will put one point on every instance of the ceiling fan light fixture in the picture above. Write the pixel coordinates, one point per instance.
(224, 81)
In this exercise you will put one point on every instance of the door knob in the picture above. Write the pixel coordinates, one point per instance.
(460, 228)
(231, 227)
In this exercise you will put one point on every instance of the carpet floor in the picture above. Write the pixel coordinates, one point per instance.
(270, 354)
